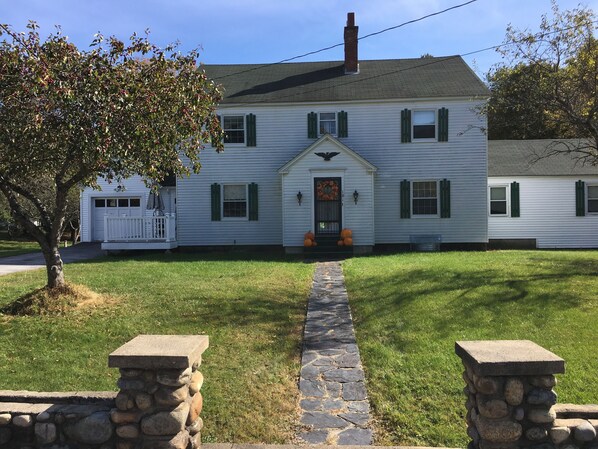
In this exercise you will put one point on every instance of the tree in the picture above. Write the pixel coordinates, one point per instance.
(516, 108)
(562, 60)
(69, 117)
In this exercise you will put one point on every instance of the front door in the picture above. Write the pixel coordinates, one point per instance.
(328, 206)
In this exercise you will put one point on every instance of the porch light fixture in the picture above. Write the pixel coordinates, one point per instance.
(299, 197)
(355, 196)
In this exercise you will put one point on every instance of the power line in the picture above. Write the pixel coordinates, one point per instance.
(282, 61)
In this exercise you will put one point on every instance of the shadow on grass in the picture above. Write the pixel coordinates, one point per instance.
(459, 299)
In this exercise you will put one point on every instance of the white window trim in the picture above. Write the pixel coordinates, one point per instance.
(426, 139)
(587, 198)
(237, 144)
(413, 214)
(320, 134)
(246, 217)
(507, 188)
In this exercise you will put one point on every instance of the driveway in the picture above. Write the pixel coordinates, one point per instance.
(33, 261)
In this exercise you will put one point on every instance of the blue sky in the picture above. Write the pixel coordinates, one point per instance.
(263, 31)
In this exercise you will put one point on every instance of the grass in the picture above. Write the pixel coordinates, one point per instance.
(252, 309)
(13, 247)
(409, 310)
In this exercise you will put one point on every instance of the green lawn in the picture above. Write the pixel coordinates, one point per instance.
(13, 247)
(409, 310)
(252, 309)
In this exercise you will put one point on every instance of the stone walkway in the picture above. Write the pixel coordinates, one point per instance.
(334, 405)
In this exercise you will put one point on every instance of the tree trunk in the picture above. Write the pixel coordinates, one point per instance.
(54, 268)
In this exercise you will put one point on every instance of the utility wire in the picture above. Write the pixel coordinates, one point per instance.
(282, 61)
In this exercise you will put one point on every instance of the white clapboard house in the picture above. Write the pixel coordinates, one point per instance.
(394, 150)
(547, 203)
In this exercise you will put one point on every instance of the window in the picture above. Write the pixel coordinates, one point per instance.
(425, 198)
(328, 123)
(234, 201)
(234, 128)
(424, 124)
(593, 199)
(498, 200)
(100, 203)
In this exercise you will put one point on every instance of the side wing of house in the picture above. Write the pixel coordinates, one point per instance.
(553, 211)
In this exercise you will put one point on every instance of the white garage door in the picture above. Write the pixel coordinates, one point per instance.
(114, 207)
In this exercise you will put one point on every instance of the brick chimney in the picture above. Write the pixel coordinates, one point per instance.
(351, 61)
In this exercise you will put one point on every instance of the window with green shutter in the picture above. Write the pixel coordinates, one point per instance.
(443, 125)
(343, 125)
(253, 202)
(251, 130)
(215, 189)
(405, 200)
(515, 208)
(445, 198)
(580, 206)
(312, 125)
(405, 126)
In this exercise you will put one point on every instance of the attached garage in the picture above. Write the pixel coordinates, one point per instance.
(113, 207)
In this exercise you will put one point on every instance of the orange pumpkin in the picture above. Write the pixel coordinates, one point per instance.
(348, 241)
(346, 233)
(307, 242)
(340, 243)
(309, 235)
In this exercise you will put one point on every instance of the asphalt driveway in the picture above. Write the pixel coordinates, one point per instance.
(33, 261)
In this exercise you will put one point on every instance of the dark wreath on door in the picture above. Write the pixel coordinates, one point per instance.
(328, 206)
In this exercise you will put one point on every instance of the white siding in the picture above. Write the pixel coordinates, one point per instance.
(133, 187)
(374, 133)
(547, 209)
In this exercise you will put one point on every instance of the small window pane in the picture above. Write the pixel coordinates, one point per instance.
(111, 202)
(592, 206)
(498, 193)
(234, 202)
(123, 202)
(100, 203)
(498, 208)
(425, 200)
(234, 192)
(424, 118)
(424, 124)
(135, 202)
(234, 128)
(328, 123)
(593, 192)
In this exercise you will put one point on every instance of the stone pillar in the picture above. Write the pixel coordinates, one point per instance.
(159, 401)
(509, 393)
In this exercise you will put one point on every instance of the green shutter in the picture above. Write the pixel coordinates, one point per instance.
(253, 203)
(312, 125)
(215, 202)
(580, 200)
(515, 208)
(445, 198)
(443, 125)
(405, 126)
(250, 125)
(405, 199)
(343, 125)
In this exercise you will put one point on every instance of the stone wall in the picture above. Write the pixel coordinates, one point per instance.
(157, 407)
(511, 402)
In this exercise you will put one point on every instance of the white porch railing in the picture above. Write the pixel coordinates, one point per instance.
(140, 229)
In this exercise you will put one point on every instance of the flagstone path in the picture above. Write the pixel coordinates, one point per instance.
(334, 404)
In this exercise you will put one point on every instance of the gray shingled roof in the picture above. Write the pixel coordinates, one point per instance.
(326, 81)
(514, 158)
